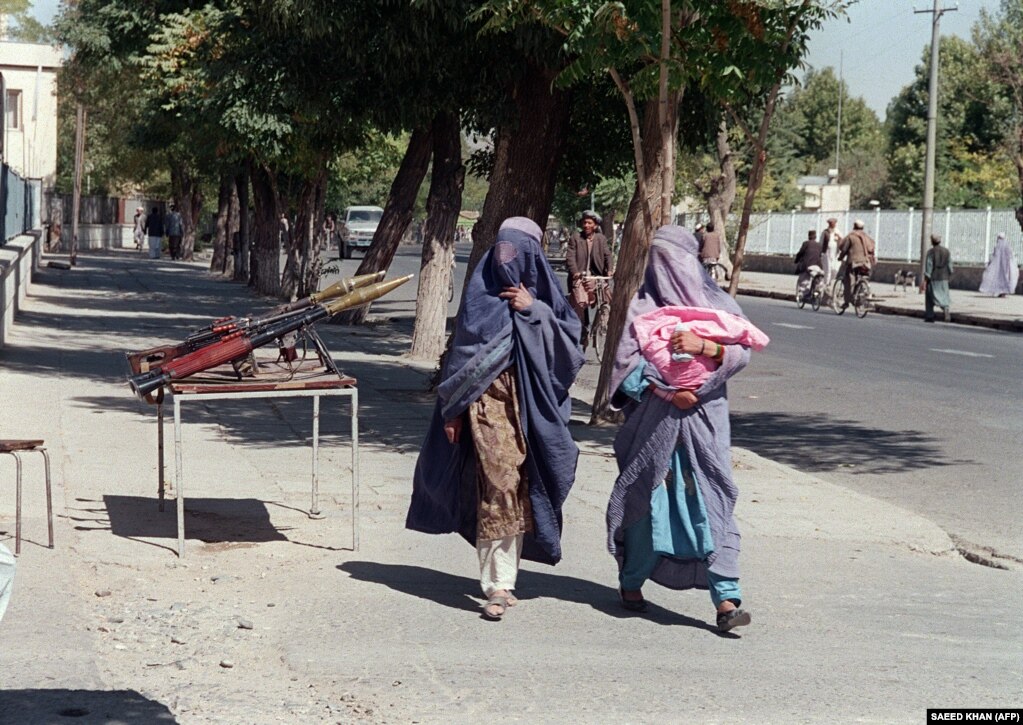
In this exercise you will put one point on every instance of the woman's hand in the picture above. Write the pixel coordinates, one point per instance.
(518, 298)
(453, 429)
(685, 399)
(687, 342)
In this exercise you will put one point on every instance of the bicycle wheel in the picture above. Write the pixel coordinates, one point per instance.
(598, 331)
(861, 298)
(451, 289)
(800, 297)
(838, 297)
(816, 293)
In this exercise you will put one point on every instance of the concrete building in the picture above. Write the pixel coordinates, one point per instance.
(824, 193)
(29, 136)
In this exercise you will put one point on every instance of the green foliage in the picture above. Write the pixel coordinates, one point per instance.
(975, 114)
(804, 134)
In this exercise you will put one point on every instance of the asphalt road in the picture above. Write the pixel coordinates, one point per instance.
(927, 417)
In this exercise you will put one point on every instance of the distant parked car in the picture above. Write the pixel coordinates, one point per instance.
(358, 227)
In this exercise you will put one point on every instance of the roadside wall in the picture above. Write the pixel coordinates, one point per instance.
(18, 258)
(964, 277)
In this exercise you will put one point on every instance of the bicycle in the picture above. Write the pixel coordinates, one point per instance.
(861, 293)
(815, 294)
(602, 303)
(862, 297)
(716, 270)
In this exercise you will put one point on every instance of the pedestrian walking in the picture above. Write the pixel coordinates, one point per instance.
(670, 517)
(8, 565)
(154, 231)
(830, 239)
(498, 460)
(175, 228)
(937, 272)
(1002, 273)
(139, 227)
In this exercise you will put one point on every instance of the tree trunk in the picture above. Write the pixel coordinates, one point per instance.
(666, 118)
(188, 194)
(527, 155)
(243, 244)
(635, 244)
(222, 238)
(442, 207)
(1018, 160)
(756, 178)
(265, 258)
(720, 195)
(317, 240)
(305, 242)
(76, 194)
(396, 217)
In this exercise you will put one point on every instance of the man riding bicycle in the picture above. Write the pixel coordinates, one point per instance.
(808, 263)
(588, 255)
(857, 253)
(710, 248)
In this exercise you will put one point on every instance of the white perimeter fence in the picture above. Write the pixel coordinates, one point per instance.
(968, 233)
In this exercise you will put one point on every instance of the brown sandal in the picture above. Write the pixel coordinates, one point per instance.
(496, 600)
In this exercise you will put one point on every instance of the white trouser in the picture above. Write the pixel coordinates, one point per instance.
(7, 563)
(154, 247)
(499, 563)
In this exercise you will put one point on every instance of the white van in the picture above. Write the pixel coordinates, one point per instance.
(358, 227)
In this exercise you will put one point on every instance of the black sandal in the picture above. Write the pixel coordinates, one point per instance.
(733, 618)
(633, 605)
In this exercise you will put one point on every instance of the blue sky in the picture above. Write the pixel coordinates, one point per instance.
(881, 42)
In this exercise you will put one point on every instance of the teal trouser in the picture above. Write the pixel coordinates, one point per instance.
(641, 559)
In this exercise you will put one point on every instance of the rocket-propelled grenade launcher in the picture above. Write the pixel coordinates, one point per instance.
(156, 357)
(238, 343)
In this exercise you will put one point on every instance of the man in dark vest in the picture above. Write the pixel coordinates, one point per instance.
(937, 272)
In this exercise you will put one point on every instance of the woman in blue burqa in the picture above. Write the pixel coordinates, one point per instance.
(498, 460)
(670, 517)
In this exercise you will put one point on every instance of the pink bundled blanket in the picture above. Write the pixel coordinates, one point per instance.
(654, 331)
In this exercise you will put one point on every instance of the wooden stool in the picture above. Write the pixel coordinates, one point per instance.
(15, 448)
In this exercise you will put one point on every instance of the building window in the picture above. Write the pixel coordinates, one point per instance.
(13, 106)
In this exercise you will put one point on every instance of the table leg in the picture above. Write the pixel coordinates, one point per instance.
(178, 483)
(17, 514)
(159, 452)
(355, 469)
(314, 509)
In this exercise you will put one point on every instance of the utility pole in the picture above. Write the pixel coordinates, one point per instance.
(932, 124)
(838, 134)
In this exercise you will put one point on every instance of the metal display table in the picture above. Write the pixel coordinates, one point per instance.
(304, 380)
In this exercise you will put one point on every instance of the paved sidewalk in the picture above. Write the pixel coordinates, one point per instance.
(862, 611)
(968, 307)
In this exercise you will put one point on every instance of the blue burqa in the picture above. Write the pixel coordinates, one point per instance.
(542, 343)
(654, 428)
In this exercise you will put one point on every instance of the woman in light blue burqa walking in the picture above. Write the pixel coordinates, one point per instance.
(670, 517)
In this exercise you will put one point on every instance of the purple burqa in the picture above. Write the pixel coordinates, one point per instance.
(1001, 274)
(542, 342)
(654, 428)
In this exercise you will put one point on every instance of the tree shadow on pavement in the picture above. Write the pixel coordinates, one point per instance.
(817, 443)
(94, 707)
(460, 592)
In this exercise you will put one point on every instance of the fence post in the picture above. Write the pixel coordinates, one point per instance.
(877, 230)
(987, 235)
(767, 236)
(792, 232)
(909, 236)
(948, 226)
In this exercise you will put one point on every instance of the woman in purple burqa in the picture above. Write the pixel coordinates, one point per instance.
(670, 517)
(1001, 274)
(498, 460)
